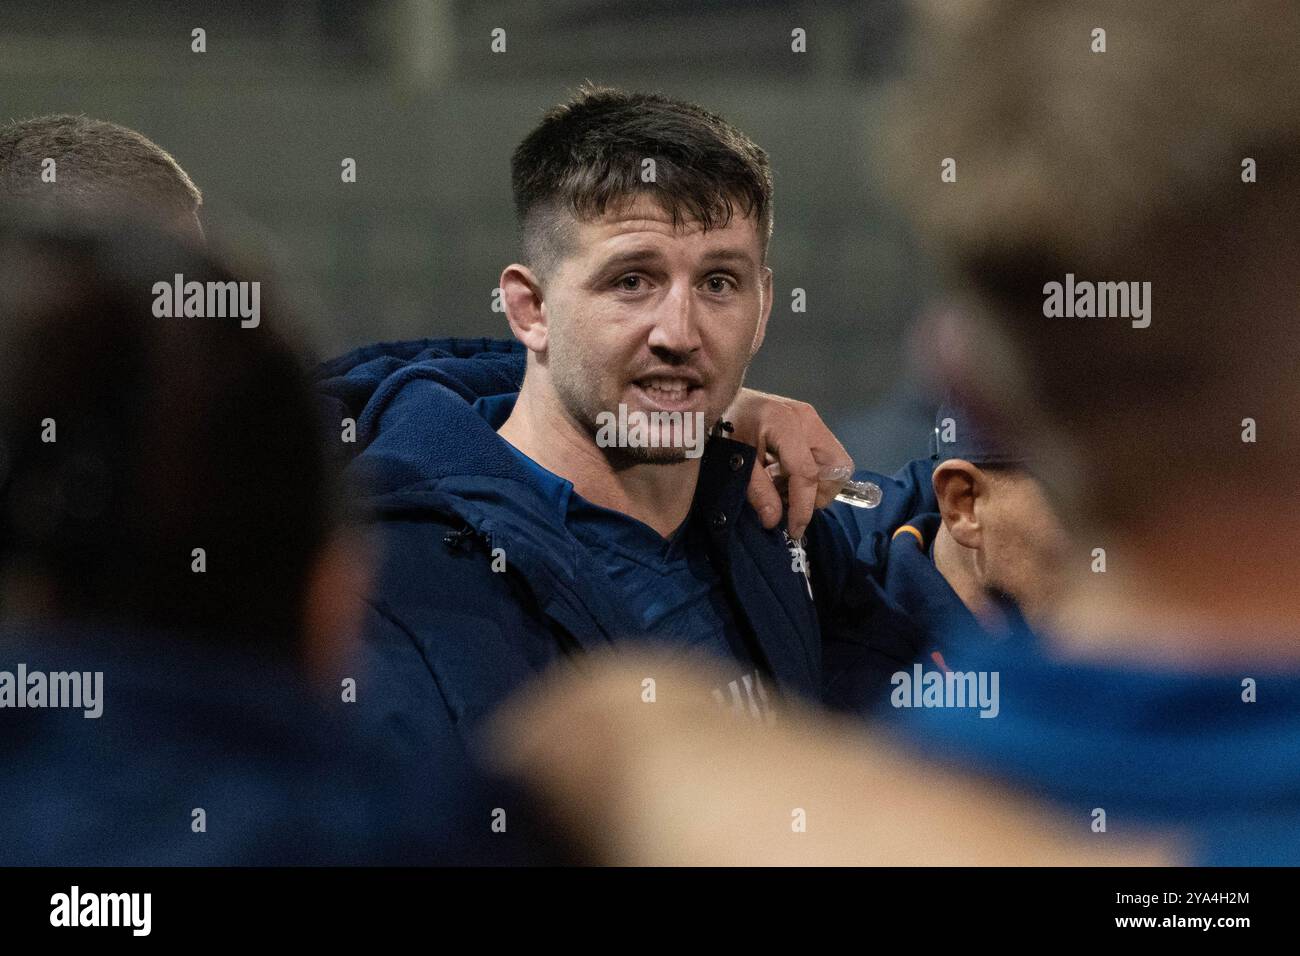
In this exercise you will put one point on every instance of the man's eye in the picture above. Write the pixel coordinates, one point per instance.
(719, 284)
(630, 283)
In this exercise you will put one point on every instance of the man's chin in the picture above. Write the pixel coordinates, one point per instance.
(621, 458)
(640, 436)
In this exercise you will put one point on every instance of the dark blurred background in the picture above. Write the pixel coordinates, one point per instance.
(413, 92)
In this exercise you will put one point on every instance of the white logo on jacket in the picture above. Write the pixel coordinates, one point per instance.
(748, 696)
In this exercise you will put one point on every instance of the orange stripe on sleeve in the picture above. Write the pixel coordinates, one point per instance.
(908, 528)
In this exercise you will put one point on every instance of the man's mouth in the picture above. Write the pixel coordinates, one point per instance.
(668, 393)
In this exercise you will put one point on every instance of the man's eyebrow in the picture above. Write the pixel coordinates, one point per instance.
(729, 255)
(630, 257)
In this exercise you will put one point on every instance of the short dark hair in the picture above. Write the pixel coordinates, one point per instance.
(587, 155)
(170, 434)
(98, 165)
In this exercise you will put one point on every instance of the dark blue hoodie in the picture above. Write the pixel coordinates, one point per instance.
(451, 637)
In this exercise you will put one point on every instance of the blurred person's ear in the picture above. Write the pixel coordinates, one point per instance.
(337, 585)
(524, 301)
(958, 486)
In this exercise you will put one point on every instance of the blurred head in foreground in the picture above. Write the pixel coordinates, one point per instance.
(1121, 236)
(157, 471)
(67, 164)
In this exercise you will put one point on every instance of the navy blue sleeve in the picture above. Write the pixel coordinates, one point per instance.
(472, 368)
(868, 531)
(866, 634)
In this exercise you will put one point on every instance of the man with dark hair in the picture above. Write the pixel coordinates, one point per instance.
(178, 593)
(601, 504)
(75, 163)
(606, 293)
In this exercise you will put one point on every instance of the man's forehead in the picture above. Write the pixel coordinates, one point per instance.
(644, 215)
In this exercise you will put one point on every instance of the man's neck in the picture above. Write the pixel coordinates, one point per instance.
(957, 565)
(657, 495)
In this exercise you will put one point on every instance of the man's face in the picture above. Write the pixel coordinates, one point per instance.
(1023, 542)
(657, 318)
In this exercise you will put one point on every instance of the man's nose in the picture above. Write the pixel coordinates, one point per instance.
(676, 328)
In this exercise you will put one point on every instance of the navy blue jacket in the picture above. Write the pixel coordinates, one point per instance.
(451, 637)
(890, 584)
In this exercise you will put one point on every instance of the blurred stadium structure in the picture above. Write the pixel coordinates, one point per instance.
(411, 89)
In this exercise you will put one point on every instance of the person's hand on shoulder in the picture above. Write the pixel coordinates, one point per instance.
(811, 464)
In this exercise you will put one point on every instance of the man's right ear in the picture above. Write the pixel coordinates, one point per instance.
(521, 294)
(957, 484)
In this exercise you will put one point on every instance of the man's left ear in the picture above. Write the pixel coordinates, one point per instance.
(764, 313)
(957, 486)
(521, 293)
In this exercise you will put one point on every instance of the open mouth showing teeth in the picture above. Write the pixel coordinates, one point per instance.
(667, 393)
(666, 387)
